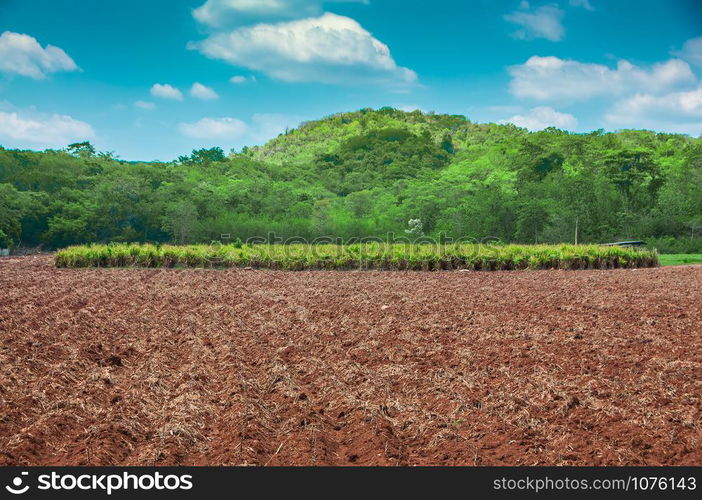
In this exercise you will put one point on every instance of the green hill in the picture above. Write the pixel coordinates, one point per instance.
(326, 136)
(367, 173)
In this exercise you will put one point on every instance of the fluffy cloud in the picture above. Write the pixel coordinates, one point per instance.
(166, 91)
(329, 49)
(546, 78)
(145, 105)
(23, 55)
(19, 129)
(692, 51)
(215, 128)
(543, 22)
(239, 79)
(200, 91)
(674, 112)
(543, 117)
(220, 13)
(585, 4)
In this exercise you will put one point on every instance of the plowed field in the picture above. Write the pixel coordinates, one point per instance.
(209, 367)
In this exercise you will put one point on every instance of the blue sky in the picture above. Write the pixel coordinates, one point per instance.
(153, 79)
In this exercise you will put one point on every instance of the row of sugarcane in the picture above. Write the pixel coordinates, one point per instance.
(370, 256)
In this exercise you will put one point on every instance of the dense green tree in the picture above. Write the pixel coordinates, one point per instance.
(14, 205)
(367, 173)
(81, 149)
(204, 156)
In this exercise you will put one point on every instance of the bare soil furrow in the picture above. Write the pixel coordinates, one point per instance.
(208, 367)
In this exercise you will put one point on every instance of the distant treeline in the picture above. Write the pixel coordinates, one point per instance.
(368, 173)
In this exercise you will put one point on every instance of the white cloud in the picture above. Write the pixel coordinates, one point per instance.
(215, 128)
(221, 13)
(239, 79)
(585, 4)
(543, 117)
(166, 91)
(36, 130)
(692, 51)
(542, 22)
(200, 91)
(23, 55)
(677, 104)
(145, 105)
(673, 112)
(546, 78)
(328, 49)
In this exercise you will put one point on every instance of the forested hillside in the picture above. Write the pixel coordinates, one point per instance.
(368, 173)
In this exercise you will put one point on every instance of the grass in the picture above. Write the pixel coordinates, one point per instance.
(424, 257)
(680, 259)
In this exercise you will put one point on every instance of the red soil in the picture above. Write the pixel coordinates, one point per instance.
(159, 367)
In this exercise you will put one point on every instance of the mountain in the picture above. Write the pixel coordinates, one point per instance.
(327, 135)
(367, 173)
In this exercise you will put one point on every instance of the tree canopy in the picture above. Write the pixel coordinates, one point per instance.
(367, 173)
